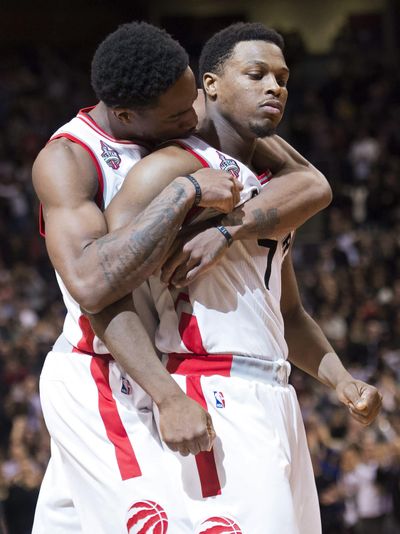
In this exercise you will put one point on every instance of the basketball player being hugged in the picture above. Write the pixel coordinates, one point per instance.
(107, 471)
(227, 336)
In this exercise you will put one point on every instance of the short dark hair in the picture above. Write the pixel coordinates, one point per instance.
(136, 64)
(220, 46)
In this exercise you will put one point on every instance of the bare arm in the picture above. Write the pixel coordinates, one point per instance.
(184, 425)
(98, 269)
(296, 193)
(310, 350)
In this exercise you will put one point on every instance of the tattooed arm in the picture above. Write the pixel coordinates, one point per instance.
(184, 425)
(297, 191)
(96, 268)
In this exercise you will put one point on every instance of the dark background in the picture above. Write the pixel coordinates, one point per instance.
(343, 115)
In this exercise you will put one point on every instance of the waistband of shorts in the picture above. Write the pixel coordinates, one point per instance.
(63, 345)
(247, 367)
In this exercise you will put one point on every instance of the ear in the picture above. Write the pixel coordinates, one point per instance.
(124, 115)
(210, 84)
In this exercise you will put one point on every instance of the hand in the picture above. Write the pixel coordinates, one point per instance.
(185, 426)
(219, 189)
(193, 256)
(364, 401)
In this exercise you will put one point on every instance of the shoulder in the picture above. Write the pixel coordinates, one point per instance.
(63, 170)
(276, 153)
(162, 166)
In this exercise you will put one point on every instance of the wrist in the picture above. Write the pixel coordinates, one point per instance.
(237, 232)
(167, 396)
(332, 372)
(225, 232)
(190, 192)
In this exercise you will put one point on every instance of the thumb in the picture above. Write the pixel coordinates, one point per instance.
(351, 396)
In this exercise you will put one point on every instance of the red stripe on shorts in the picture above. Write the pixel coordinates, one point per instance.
(206, 466)
(125, 455)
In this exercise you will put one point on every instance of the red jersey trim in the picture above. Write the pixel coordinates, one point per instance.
(99, 195)
(203, 161)
(84, 116)
(265, 177)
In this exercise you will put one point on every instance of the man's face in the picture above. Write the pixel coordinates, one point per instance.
(173, 116)
(251, 90)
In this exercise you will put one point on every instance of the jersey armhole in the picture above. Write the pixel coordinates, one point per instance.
(99, 195)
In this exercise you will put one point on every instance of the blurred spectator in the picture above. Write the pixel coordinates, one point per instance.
(343, 115)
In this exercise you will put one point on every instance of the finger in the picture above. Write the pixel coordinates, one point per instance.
(183, 451)
(180, 273)
(350, 394)
(170, 266)
(370, 397)
(237, 187)
(171, 445)
(194, 274)
(211, 432)
(194, 446)
(362, 418)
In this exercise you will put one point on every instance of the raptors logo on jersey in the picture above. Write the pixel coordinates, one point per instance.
(229, 165)
(219, 525)
(147, 517)
(110, 156)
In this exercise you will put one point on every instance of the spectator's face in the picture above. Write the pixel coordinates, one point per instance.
(173, 116)
(250, 91)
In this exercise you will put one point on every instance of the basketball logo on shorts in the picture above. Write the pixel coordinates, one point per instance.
(219, 399)
(219, 525)
(147, 517)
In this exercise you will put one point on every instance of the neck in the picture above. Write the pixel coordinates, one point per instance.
(103, 116)
(224, 136)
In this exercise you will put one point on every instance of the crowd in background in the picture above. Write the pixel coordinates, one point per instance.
(343, 115)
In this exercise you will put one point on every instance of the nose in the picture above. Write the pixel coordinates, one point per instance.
(272, 86)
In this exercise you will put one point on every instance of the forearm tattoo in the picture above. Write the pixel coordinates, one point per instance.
(266, 222)
(126, 264)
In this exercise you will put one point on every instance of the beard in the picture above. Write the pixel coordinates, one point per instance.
(262, 130)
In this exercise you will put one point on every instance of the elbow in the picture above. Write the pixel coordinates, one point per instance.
(90, 296)
(323, 191)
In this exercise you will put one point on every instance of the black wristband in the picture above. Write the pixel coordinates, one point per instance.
(226, 234)
(197, 188)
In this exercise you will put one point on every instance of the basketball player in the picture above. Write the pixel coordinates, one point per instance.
(227, 336)
(106, 474)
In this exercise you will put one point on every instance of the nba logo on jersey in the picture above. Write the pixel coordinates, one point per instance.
(219, 399)
(126, 387)
(229, 165)
(110, 156)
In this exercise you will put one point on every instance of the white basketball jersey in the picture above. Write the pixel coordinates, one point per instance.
(235, 307)
(113, 159)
